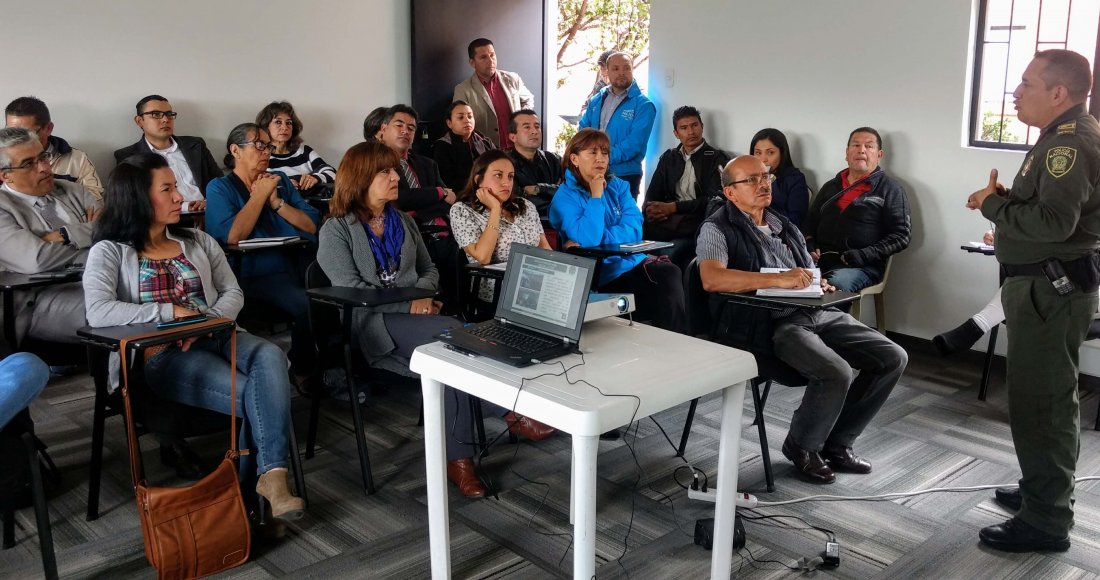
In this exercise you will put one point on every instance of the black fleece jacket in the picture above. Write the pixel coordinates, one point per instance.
(873, 227)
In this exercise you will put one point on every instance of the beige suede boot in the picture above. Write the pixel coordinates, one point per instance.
(274, 488)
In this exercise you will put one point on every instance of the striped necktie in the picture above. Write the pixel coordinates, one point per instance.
(410, 175)
(47, 209)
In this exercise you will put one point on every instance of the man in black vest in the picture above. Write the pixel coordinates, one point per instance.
(827, 346)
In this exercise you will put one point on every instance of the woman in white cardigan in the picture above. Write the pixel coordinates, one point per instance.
(144, 268)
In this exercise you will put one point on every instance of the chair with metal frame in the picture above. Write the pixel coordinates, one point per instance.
(769, 367)
(18, 442)
(332, 314)
(170, 417)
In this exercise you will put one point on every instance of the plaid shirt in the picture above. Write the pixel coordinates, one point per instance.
(173, 280)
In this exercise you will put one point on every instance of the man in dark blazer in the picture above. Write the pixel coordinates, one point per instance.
(422, 194)
(188, 157)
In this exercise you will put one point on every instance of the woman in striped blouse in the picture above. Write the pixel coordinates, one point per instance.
(292, 157)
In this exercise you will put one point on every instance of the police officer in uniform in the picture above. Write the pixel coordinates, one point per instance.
(1048, 233)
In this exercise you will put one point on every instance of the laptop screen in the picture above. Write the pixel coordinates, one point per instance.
(545, 290)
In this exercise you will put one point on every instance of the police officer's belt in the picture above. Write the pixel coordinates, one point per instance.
(1084, 271)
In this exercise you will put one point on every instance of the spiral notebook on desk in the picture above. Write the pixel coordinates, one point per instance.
(812, 291)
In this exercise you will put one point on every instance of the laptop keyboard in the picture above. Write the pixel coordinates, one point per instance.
(517, 339)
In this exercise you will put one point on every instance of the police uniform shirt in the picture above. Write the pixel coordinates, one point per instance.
(1051, 210)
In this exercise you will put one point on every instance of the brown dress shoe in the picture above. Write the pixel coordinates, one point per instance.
(461, 473)
(527, 427)
(844, 459)
(809, 464)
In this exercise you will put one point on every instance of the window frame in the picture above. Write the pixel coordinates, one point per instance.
(976, 79)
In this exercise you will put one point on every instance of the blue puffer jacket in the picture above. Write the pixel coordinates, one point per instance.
(629, 128)
(613, 218)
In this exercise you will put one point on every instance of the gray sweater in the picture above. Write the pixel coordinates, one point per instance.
(111, 286)
(344, 254)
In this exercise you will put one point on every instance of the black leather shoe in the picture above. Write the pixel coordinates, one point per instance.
(1015, 535)
(1009, 497)
(808, 463)
(961, 338)
(184, 460)
(844, 459)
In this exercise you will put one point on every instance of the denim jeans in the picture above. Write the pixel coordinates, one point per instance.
(22, 378)
(200, 378)
(852, 279)
(827, 347)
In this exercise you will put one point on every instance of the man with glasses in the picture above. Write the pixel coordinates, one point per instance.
(188, 157)
(826, 346)
(859, 219)
(66, 162)
(45, 225)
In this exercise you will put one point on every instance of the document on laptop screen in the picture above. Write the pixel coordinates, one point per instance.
(545, 289)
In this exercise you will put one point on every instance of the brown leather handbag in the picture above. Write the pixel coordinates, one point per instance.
(198, 530)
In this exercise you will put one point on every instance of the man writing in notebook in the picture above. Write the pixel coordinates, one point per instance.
(826, 346)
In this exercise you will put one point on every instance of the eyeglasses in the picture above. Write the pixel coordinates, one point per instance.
(160, 114)
(755, 180)
(32, 163)
(261, 146)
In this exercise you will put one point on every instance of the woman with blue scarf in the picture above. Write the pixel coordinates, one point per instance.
(368, 243)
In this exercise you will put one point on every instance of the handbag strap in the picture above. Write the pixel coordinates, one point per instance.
(131, 434)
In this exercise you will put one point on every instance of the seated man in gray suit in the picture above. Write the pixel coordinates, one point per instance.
(188, 157)
(45, 224)
(493, 94)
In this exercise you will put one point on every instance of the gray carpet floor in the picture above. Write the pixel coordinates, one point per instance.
(932, 433)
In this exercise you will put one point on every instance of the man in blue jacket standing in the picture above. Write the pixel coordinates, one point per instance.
(626, 115)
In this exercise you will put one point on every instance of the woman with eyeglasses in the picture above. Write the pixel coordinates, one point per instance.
(592, 208)
(251, 203)
(790, 195)
(368, 243)
(291, 156)
(144, 267)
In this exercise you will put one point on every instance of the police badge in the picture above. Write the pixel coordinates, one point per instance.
(1060, 160)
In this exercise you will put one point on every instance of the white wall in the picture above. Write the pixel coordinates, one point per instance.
(218, 63)
(817, 70)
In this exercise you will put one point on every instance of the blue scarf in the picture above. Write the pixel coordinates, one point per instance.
(387, 250)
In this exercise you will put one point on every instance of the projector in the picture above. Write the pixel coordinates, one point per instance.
(604, 305)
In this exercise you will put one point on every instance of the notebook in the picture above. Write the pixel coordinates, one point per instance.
(540, 311)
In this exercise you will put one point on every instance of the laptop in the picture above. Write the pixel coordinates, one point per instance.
(540, 311)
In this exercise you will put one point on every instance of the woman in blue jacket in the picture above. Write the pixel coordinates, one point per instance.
(590, 209)
(790, 195)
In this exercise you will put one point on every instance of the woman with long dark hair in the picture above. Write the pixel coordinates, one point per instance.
(145, 268)
(490, 215)
(790, 195)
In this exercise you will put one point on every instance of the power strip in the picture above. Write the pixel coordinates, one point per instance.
(743, 500)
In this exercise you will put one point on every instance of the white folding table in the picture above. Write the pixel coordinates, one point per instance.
(662, 368)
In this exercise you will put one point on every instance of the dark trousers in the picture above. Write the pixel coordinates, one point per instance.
(658, 288)
(444, 254)
(1044, 337)
(828, 347)
(285, 292)
(409, 331)
(635, 182)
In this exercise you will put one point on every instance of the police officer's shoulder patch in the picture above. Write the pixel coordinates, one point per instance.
(1069, 128)
(1060, 160)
